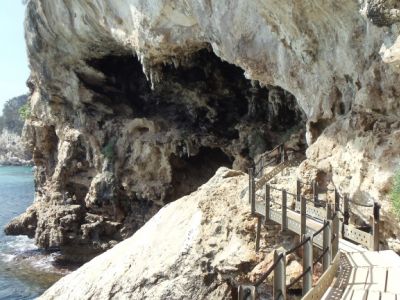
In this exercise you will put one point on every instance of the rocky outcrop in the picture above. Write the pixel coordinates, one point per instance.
(12, 150)
(198, 247)
(135, 104)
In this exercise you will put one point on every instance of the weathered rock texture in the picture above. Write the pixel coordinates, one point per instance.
(132, 108)
(12, 150)
(198, 247)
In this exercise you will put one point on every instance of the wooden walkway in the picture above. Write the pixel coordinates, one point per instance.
(351, 271)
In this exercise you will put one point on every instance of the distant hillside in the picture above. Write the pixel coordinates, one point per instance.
(10, 119)
(12, 150)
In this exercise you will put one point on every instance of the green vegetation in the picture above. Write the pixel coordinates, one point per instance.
(25, 111)
(108, 150)
(395, 193)
(11, 119)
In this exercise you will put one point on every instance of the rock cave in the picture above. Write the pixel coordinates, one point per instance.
(135, 104)
(144, 141)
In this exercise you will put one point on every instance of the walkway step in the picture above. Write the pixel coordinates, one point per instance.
(393, 282)
(349, 247)
(368, 295)
(373, 275)
(390, 296)
(387, 258)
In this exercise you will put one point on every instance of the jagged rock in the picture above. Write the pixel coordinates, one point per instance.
(123, 147)
(23, 224)
(193, 248)
(12, 150)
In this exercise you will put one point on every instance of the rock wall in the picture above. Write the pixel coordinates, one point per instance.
(12, 150)
(135, 103)
(198, 247)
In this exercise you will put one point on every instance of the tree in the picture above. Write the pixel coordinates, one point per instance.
(11, 119)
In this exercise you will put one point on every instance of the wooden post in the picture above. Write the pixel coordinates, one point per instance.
(303, 216)
(282, 150)
(258, 233)
(267, 202)
(326, 242)
(252, 194)
(307, 263)
(315, 193)
(284, 210)
(335, 231)
(279, 289)
(375, 228)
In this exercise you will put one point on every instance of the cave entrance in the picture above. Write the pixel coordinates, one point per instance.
(208, 103)
(189, 173)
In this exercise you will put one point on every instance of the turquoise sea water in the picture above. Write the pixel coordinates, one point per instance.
(25, 271)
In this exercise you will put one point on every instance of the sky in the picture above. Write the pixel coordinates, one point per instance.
(14, 70)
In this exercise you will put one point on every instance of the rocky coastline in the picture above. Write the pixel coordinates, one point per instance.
(12, 151)
(134, 105)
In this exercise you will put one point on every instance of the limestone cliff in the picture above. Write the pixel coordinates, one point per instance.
(198, 247)
(135, 103)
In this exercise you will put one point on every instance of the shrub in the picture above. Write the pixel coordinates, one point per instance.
(25, 111)
(11, 119)
(395, 193)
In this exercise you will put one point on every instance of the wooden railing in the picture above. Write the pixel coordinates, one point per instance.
(309, 220)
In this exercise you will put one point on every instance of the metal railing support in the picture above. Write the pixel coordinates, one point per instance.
(335, 231)
(337, 201)
(252, 192)
(326, 244)
(303, 215)
(298, 190)
(315, 193)
(346, 212)
(267, 202)
(307, 263)
(284, 210)
(258, 233)
(328, 209)
(375, 228)
(279, 289)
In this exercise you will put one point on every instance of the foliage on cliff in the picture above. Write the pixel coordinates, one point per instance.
(11, 119)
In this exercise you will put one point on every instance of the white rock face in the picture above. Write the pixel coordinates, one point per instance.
(194, 248)
(338, 58)
(198, 247)
(328, 55)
